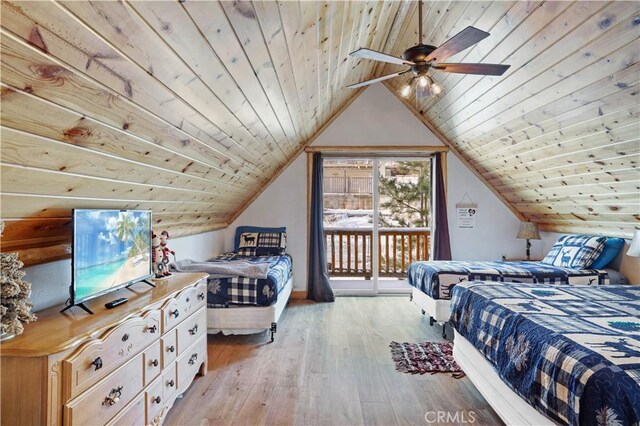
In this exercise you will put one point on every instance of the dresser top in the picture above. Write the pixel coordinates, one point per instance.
(55, 332)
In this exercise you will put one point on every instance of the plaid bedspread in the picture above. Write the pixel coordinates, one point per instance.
(572, 352)
(223, 292)
(437, 278)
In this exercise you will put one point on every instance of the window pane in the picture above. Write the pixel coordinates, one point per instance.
(405, 194)
(404, 215)
(348, 217)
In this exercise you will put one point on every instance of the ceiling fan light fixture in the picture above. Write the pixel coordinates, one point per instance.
(423, 81)
(406, 90)
(435, 89)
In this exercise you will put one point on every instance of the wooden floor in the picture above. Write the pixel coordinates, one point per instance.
(330, 364)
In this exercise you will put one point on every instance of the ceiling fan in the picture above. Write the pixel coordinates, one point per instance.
(423, 57)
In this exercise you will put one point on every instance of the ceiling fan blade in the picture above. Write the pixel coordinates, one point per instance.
(482, 69)
(459, 42)
(378, 56)
(375, 80)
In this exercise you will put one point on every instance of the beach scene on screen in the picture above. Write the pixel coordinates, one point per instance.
(110, 248)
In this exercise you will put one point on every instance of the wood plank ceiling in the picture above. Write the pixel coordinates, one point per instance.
(189, 108)
(185, 108)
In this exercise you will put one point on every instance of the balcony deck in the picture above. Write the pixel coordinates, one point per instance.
(349, 250)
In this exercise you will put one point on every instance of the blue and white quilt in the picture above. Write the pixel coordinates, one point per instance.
(438, 278)
(572, 352)
(224, 292)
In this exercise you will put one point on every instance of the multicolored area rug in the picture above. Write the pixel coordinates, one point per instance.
(427, 357)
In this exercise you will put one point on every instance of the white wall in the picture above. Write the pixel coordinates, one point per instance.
(496, 226)
(378, 118)
(50, 281)
(283, 203)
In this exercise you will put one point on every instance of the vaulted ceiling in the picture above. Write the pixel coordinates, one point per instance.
(189, 108)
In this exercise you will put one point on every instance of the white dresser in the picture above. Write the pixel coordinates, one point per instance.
(123, 366)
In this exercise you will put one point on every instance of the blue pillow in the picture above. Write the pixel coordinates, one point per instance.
(241, 229)
(611, 249)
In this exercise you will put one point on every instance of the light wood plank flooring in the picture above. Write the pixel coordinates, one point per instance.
(329, 365)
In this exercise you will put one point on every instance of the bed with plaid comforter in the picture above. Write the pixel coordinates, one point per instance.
(224, 292)
(438, 278)
(572, 352)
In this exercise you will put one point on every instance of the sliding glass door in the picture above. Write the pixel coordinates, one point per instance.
(404, 189)
(377, 221)
(348, 224)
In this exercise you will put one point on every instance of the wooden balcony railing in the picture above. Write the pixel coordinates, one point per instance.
(347, 185)
(349, 250)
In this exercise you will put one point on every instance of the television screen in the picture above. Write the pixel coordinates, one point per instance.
(111, 248)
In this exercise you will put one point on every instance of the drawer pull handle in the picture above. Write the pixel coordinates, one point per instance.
(113, 397)
(153, 329)
(125, 337)
(156, 400)
(193, 359)
(171, 348)
(154, 362)
(175, 313)
(201, 296)
(193, 330)
(171, 383)
(98, 363)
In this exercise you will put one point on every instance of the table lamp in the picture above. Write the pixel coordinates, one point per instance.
(529, 231)
(634, 247)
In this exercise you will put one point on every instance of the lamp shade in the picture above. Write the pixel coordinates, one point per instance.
(634, 247)
(528, 231)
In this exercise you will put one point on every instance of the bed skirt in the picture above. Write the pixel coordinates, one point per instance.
(248, 319)
(438, 309)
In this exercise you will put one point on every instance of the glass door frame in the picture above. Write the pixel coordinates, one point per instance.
(375, 247)
(375, 252)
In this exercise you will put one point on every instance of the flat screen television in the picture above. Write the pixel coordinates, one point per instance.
(111, 249)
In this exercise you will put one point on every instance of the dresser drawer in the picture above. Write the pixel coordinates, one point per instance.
(152, 363)
(155, 399)
(169, 382)
(189, 362)
(169, 348)
(191, 329)
(133, 414)
(98, 357)
(184, 304)
(102, 402)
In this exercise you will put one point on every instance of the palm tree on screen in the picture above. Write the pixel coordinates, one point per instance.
(125, 227)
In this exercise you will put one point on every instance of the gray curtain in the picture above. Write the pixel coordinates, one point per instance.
(441, 243)
(318, 287)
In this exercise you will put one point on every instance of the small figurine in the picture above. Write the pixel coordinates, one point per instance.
(157, 256)
(164, 236)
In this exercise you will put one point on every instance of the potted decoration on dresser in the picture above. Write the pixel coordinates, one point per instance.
(15, 305)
